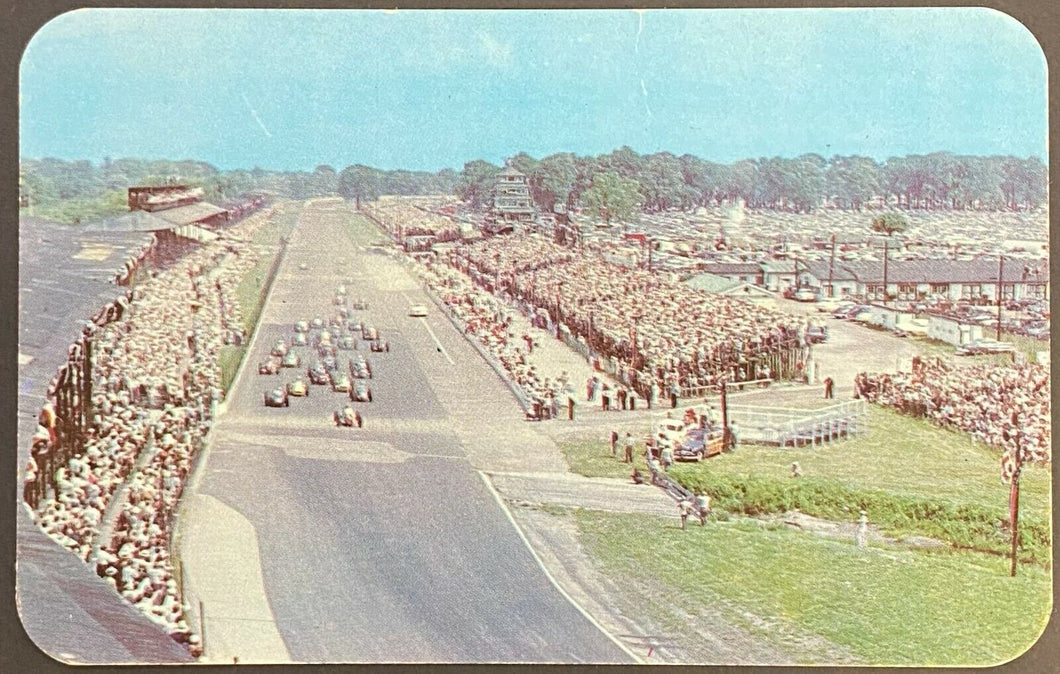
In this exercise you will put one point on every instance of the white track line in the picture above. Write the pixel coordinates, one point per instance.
(533, 553)
(439, 344)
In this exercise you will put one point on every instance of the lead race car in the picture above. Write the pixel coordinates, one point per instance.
(348, 417)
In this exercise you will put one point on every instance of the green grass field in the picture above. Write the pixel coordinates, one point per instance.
(362, 231)
(913, 478)
(884, 606)
(899, 455)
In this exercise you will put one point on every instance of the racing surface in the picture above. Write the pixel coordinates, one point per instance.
(384, 544)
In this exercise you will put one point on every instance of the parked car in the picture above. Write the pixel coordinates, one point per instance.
(369, 333)
(380, 345)
(849, 312)
(693, 447)
(277, 397)
(360, 304)
(417, 311)
(347, 343)
(816, 334)
(805, 295)
(341, 290)
(1039, 330)
(301, 326)
(299, 339)
(317, 323)
(982, 346)
(298, 387)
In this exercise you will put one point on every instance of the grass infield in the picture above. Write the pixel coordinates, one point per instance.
(814, 597)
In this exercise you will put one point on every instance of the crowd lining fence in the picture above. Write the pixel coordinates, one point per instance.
(785, 426)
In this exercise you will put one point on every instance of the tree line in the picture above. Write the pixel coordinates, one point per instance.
(661, 181)
(81, 191)
(613, 184)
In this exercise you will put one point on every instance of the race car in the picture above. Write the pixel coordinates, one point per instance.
(291, 360)
(298, 387)
(360, 369)
(269, 366)
(348, 417)
(277, 397)
(360, 392)
(318, 374)
(340, 383)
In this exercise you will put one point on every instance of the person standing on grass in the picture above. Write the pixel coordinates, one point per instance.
(614, 441)
(862, 537)
(685, 507)
(667, 456)
(674, 390)
(629, 448)
(734, 437)
(829, 387)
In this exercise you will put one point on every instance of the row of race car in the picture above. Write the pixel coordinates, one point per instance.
(327, 340)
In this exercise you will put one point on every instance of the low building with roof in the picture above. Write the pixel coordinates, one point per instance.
(951, 280)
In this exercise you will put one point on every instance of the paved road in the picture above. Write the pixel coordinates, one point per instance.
(385, 544)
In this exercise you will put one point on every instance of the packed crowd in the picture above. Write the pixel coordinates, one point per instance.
(660, 333)
(1004, 406)
(409, 218)
(488, 320)
(155, 376)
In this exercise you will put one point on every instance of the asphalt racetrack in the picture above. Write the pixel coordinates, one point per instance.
(384, 544)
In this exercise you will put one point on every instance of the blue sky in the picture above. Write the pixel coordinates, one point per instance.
(430, 89)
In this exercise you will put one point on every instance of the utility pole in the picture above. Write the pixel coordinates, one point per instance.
(1000, 285)
(1014, 496)
(831, 269)
(886, 255)
(798, 285)
(725, 414)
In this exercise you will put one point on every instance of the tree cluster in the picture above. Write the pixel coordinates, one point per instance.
(937, 181)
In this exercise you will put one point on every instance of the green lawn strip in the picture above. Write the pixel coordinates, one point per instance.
(890, 607)
(912, 477)
(228, 359)
(250, 293)
(362, 231)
